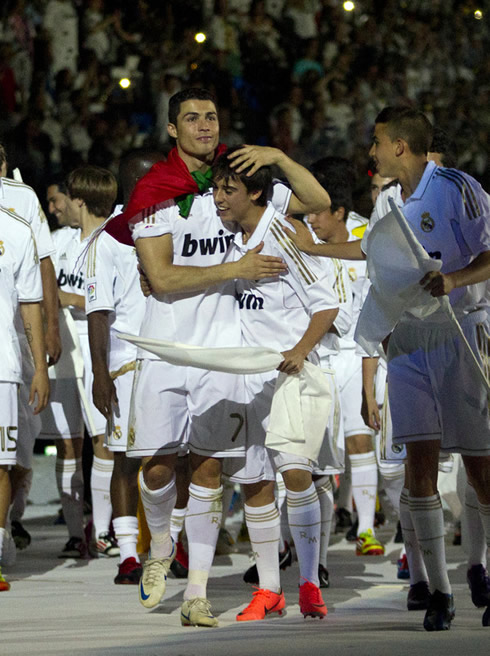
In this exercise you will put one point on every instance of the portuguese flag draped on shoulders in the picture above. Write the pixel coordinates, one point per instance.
(164, 181)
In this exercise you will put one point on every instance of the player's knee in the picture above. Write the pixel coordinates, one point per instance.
(205, 471)
(297, 480)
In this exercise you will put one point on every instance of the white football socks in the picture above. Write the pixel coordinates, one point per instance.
(304, 522)
(69, 479)
(263, 526)
(158, 505)
(325, 496)
(364, 487)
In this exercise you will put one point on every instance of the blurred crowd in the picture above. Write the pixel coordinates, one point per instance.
(304, 75)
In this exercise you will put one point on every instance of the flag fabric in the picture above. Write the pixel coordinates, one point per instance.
(396, 263)
(164, 181)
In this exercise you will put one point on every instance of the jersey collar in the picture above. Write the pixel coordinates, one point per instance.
(424, 181)
(259, 232)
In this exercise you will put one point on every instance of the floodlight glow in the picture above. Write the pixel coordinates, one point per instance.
(478, 14)
(125, 83)
(200, 37)
(349, 6)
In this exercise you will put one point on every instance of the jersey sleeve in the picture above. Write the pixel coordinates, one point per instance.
(280, 196)
(471, 225)
(343, 290)
(99, 277)
(156, 222)
(28, 281)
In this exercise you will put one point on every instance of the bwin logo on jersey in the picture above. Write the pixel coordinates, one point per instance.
(70, 279)
(206, 246)
(250, 302)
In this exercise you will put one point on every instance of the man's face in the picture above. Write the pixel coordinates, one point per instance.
(232, 199)
(197, 128)
(377, 183)
(324, 225)
(383, 152)
(58, 205)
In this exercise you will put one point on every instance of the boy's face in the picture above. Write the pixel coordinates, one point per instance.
(232, 199)
(197, 128)
(383, 152)
(377, 183)
(324, 224)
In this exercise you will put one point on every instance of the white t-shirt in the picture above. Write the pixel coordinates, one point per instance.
(205, 318)
(449, 213)
(112, 283)
(276, 312)
(20, 282)
(21, 199)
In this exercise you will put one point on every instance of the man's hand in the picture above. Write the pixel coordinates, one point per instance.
(294, 361)
(300, 236)
(254, 156)
(53, 345)
(253, 266)
(104, 393)
(144, 283)
(437, 283)
(39, 390)
(370, 411)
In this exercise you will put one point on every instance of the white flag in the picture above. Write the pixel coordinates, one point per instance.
(396, 263)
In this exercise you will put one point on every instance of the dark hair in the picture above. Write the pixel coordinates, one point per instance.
(261, 180)
(444, 145)
(337, 176)
(60, 182)
(409, 124)
(3, 155)
(96, 186)
(187, 94)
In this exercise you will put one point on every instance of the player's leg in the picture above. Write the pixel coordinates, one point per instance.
(100, 486)
(69, 480)
(324, 489)
(180, 565)
(8, 448)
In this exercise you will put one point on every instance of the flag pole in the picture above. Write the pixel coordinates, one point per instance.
(443, 300)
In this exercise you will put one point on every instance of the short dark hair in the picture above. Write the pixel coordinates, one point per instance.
(96, 186)
(337, 176)
(445, 146)
(178, 98)
(261, 180)
(60, 182)
(409, 124)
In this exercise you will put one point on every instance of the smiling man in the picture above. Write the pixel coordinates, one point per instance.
(449, 213)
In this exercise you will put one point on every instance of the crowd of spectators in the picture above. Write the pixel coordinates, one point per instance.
(304, 75)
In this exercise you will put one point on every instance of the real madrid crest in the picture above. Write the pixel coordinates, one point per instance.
(427, 223)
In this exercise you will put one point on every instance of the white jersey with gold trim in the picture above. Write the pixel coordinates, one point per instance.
(205, 318)
(21, 199)
(112, 283)
(20, 282)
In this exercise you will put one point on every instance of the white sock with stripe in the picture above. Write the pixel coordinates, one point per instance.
(263, 526)
(364, 487)
(158, 505)
(428, 522)
(202, 524)
(472, 531)
(416, 565)
(304, 522)
(100, 485)
(69, 480)
(126, 530)
(325, 496)
(177, 522)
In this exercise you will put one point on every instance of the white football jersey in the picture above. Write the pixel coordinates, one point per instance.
(112, 283)
(276, 312)
(21, 199)
(205, 318)
(449, 213)
(20, 282)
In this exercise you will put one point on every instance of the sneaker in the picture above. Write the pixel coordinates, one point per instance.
(74, 548)
(323, 577)
(418, 596)
(368, 545)
(154, 579)
(351, 535)
(264, 602)
(130, 571)
(440, 612)
(402, 571)
(22, 538)
(311, 603)
(479, 582)
(285, 560)
(197, 612)
(180, 564)
(343, 520)
(398, 539)
(105, 545)
(4, 585)
(225, 544)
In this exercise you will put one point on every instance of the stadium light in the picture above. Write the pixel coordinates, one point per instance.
(478, 14)
(125, 82)
(200, 37)
(349, 6)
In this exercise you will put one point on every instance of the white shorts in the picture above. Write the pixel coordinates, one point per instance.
(117, 440)
(62, 417)
(348, 371)
(429, 370)
(9, 393)
(173, 406)
(29, 423)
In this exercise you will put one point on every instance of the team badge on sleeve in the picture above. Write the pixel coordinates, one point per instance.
(427, 223)
(92, 292)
